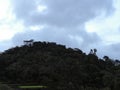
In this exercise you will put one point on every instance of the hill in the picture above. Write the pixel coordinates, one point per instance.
(59, 68)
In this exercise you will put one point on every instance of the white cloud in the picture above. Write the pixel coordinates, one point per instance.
(8, 24)
(41, 8)
(4, 5)
(35, 28)
(107, 27)
(62, 13)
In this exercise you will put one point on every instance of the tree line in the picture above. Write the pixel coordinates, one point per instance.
(59, 68)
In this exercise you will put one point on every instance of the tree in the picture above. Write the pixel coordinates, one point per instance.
(106, 58)
(95, 50)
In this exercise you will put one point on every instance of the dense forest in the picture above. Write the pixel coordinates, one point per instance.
(58, 68)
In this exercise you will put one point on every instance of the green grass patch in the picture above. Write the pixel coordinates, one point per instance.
(32, 87)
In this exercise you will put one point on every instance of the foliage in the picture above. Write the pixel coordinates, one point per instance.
(58, 68)
(5, 87)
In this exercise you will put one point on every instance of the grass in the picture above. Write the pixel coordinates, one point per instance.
(5, 87)
(32, 87)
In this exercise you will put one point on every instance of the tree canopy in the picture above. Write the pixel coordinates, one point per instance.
(58, 67)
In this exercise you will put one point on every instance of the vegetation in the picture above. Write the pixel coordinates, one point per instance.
(32, 87)
(5, 87)
(58, 68)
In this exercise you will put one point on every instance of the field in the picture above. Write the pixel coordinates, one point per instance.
(31, 87)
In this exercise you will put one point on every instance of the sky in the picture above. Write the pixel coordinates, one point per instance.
(84, 24)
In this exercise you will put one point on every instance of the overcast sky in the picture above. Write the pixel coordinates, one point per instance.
(83, 24)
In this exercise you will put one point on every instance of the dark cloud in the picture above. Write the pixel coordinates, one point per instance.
(80, 39)
(62, 13)
(64, 20)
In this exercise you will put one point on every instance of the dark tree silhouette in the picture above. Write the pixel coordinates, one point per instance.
(59, 68)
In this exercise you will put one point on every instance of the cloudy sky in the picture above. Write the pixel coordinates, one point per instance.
(83, 24)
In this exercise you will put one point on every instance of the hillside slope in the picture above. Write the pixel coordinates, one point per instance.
(58, 67)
